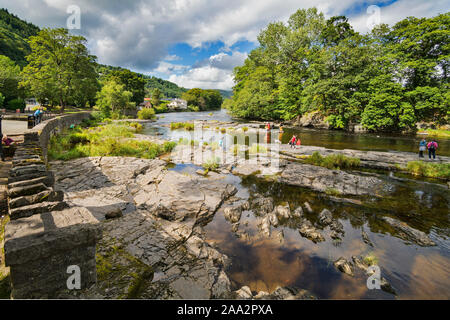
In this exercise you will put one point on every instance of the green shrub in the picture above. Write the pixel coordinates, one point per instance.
(334, 161)
(146, 114)
(212, 164)
(179, 125)
(162, 108)
(137, 126)
(427, 169)
(223, 130)
(193, 108)
(16, 104)
(245, 129)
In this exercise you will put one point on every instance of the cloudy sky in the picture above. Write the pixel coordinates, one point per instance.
(196, 43)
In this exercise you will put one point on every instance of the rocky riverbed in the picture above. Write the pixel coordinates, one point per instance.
(153, 242)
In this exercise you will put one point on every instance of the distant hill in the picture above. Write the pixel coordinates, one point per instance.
(14, 33)
(226, 94)
(169, 89)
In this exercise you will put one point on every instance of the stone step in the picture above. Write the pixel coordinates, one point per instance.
(27, 190)
(45, 180)
(31, 176)
(44, 196)
(37, 208)
(18, 171)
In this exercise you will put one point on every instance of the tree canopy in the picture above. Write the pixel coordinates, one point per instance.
(60, 69)
(388, 79)
(203, 99)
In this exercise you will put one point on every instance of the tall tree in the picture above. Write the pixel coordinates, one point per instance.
(60, 68)
(132, 81)
(114, 98)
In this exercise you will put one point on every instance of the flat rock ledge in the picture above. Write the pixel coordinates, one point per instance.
(156, 250)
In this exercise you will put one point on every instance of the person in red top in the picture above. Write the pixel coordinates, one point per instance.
(432, 147)
(298, 143)
(292, 141)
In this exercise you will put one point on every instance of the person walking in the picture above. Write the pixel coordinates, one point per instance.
(298, 143)
(432, 147)
(422, 147)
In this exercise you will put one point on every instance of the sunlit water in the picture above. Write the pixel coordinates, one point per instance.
(323, 138)
(290, 260)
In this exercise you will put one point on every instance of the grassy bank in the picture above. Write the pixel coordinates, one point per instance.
(334, 161)
(436, 133)
(114, 139)
(428, 169)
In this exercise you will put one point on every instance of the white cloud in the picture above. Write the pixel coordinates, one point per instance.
(137, 34)
(206, 77)
(400, 10)
(212, 73)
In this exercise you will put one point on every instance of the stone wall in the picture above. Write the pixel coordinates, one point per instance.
(44, 236)
(45, 130)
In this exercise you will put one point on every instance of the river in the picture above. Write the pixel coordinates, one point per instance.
(288, 259)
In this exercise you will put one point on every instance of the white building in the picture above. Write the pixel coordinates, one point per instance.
(178, 104)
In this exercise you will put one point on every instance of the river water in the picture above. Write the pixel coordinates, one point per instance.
(287, 259)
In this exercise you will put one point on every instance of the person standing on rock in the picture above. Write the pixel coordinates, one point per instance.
(293, 141)
(298, 143)
(422, 147)
(432, 147)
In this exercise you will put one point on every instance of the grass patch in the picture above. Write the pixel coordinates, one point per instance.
(334, 161)
(211, 164)
(429, 169)
(182, 125)
(371, 259)
(130, 270)
(186, 142)
(332, 192)
(107, 140)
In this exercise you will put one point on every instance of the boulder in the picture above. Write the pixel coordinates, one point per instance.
(114, 213)
(308, 207)
(325, 217)
(298, 212)
(233, 214)
(308, 231)
(244, 293)
(283, 212)
(405, 232)
(344, 266)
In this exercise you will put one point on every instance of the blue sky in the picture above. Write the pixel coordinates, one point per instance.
(197, 43)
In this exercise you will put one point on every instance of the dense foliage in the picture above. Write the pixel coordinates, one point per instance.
(203, 99)
(386, 80)
(9, 81)
(167, 88)
(14, 33)
(60, 69)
